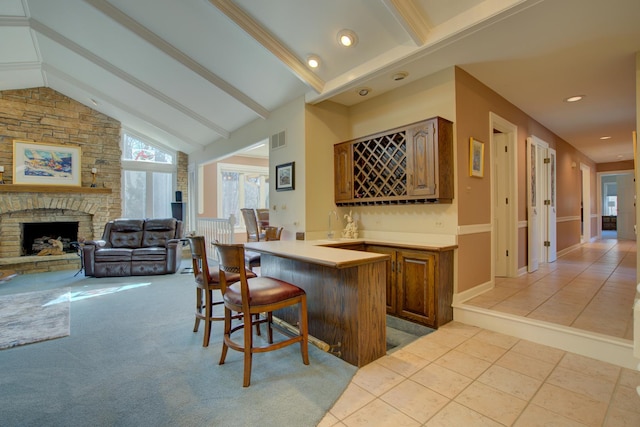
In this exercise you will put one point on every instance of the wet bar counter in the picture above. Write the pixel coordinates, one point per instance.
(345, 294)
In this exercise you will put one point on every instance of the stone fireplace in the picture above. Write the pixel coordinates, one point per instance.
(87, 209)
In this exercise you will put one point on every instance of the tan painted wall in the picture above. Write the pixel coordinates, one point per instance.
(615, 166)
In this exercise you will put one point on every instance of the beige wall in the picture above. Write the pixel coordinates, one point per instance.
(425, 98)
(326, 124)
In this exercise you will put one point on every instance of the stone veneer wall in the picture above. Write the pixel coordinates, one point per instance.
(44, 115)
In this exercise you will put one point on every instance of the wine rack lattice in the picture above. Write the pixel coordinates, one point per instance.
(380, 166)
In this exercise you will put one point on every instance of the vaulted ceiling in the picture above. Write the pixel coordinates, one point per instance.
(188, 73)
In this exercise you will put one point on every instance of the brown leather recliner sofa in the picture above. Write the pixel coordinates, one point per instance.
(135, 247)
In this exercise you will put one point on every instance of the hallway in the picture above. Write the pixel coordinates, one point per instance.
(590, 288)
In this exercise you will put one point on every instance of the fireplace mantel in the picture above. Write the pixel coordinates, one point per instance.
(12, 188)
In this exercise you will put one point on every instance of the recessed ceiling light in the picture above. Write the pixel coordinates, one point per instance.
(400, 76)
(313, 61)
(347, 38)
(363, 91)
(574, 98)
(605, 137)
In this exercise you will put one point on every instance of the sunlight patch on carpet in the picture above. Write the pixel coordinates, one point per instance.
(33, 316)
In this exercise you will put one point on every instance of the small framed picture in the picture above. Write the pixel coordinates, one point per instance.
(285, 177)
(476, 158)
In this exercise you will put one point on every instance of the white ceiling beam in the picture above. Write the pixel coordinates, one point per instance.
(13, 21)
(87, 54)
(269, 42)
(143, 32)
(411, 18)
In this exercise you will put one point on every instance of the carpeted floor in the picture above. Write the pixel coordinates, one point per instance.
(132, 360)
(31, 317)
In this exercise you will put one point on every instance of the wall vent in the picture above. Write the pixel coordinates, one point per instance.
(277, 140)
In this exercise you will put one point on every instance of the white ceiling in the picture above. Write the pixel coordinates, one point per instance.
(188, 73)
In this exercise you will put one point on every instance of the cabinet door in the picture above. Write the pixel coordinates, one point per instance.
(343, 172)
(391, 283)
(416, 275)
(422, 160)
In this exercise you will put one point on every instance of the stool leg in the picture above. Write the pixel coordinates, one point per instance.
(198, 308)
(207, 320)
(227, 335)
(248, 349)
(304, 331)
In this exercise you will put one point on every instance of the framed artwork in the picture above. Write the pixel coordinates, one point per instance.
(476, 158)
(285, 177)
(37, 163)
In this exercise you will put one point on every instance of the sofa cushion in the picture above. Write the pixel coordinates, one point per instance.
(158, 231)
(149, 254)
(113, 255)
(126, 233)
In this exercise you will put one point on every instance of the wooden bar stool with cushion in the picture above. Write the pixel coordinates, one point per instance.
(206, 283)
(256, 295)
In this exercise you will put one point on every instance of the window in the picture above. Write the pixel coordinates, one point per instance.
(241, 186)
(148, 177)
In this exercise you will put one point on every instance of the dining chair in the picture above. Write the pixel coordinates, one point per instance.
(207, 282)
(251, 225)
(272, 233)
(254, 234)
(254, 296)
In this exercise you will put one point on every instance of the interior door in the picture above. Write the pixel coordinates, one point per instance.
(626, 207)
(533, 218)
(552, 253)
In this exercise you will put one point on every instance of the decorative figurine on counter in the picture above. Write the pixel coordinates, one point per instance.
(351, 230)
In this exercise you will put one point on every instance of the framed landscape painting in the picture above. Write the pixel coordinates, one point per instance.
(285, 177)
(38, 163)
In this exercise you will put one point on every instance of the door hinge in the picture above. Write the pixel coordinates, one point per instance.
(547, 202)
(507, 251)
(547, 243)
(506, 201)
(505, 149)
(547, 160)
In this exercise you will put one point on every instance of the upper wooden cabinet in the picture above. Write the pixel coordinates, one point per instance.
(409, 164)
(343, 170)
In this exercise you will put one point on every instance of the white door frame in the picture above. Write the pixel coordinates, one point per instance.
(510, 171)
(585, 171)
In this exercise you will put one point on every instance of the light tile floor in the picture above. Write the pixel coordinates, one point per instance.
(465, 376)
(591, 288)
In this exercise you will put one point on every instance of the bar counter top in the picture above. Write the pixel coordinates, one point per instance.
(314, 252)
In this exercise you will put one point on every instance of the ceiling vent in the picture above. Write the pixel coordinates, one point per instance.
(277, 140)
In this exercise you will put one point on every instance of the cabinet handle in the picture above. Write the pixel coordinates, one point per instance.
(393, 266)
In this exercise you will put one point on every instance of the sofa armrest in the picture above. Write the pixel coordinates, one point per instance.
(97, 243)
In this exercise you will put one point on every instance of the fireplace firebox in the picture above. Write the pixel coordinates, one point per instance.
(36, 236)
